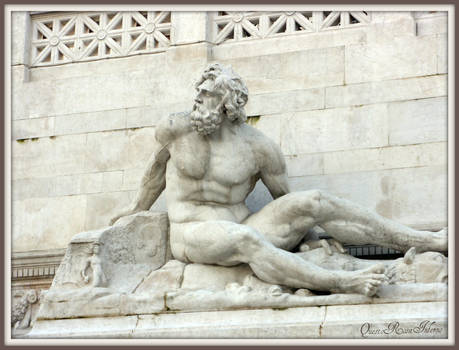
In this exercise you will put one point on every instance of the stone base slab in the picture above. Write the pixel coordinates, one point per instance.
(370, 321)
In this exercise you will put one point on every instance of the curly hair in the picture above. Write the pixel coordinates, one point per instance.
(231, 86)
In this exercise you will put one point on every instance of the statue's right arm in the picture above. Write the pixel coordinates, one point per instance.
(153, 180)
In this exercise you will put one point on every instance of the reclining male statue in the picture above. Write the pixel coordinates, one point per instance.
(210, 160)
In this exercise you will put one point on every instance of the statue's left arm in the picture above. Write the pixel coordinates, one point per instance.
(274, 171)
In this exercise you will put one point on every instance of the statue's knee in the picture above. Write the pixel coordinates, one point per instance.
(245, 238)
(311, 203)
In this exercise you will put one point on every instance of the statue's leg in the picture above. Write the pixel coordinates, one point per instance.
(227, 243)
(284, 220)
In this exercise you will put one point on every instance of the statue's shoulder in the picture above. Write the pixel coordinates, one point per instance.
(258, 139)
(264, 146)
(172, 126)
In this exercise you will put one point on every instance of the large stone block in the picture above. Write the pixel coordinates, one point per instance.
(101, 327)
(46, 223)
(115, 258)
(387, 25)
(32, 188)
(67, 185)
(19, 75)
(418, 121)
(257, 324)
(91, 183)
(178, 57)
(20, 37)
(112, 181)
(129, 251)
(400, 58)
(386, 91)
(101, 207)
(412, 196)
(386, 158)
(269, 125)
(31, 128)
(285, 101)
(442, 53)
(299, 324)
(389, 321)
(83, 94)
(190, 27)
(435, 23)
(305, 164)
(418, 195)
(48, 156)
(291, 71)
(150, 115)
(155, 63)
(131, 179)
(112, 151)
(90, 122)
(334, 129)
(290, 43)
(39, 98)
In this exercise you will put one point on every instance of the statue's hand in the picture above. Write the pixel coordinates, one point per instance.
(120, 215)
(323, 243)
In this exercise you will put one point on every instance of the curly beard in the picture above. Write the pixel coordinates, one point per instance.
(204, 121)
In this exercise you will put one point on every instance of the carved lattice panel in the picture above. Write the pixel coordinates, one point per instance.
(95, 35)
(246, 25)
(336, 19)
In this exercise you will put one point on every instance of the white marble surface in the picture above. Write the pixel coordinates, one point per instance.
(348, 322)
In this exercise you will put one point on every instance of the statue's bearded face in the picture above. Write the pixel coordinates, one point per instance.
(207, 114)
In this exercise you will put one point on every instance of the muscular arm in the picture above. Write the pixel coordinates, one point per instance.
(273, 170)
(153, 180)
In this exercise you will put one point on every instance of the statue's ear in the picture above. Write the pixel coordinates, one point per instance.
(409, 256)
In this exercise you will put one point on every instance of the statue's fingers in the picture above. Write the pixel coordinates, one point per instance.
(326, 246)
(338, 246)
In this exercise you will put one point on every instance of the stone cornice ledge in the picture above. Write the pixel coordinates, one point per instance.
(35, 264)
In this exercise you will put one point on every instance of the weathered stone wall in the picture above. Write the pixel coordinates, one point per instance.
(359, 111)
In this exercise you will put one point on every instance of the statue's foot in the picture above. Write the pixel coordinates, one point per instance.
(441, 238)
(438, 242)
(365, 281)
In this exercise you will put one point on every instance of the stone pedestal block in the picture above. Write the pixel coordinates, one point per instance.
(380, 321)
(128, 251)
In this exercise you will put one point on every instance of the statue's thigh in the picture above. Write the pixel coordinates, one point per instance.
(216, 242)
(286, 220)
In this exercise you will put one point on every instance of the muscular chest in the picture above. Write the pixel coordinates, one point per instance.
(230, 162)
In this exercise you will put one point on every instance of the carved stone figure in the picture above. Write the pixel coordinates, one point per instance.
(95, 263)
(21, 312)
(211, 160)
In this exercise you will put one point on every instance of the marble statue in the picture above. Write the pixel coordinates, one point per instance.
(95, 263)
(208, 162)
(160, 274)
(21, 312)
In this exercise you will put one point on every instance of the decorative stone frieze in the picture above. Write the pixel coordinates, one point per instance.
(72, 37)
(235, 26)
